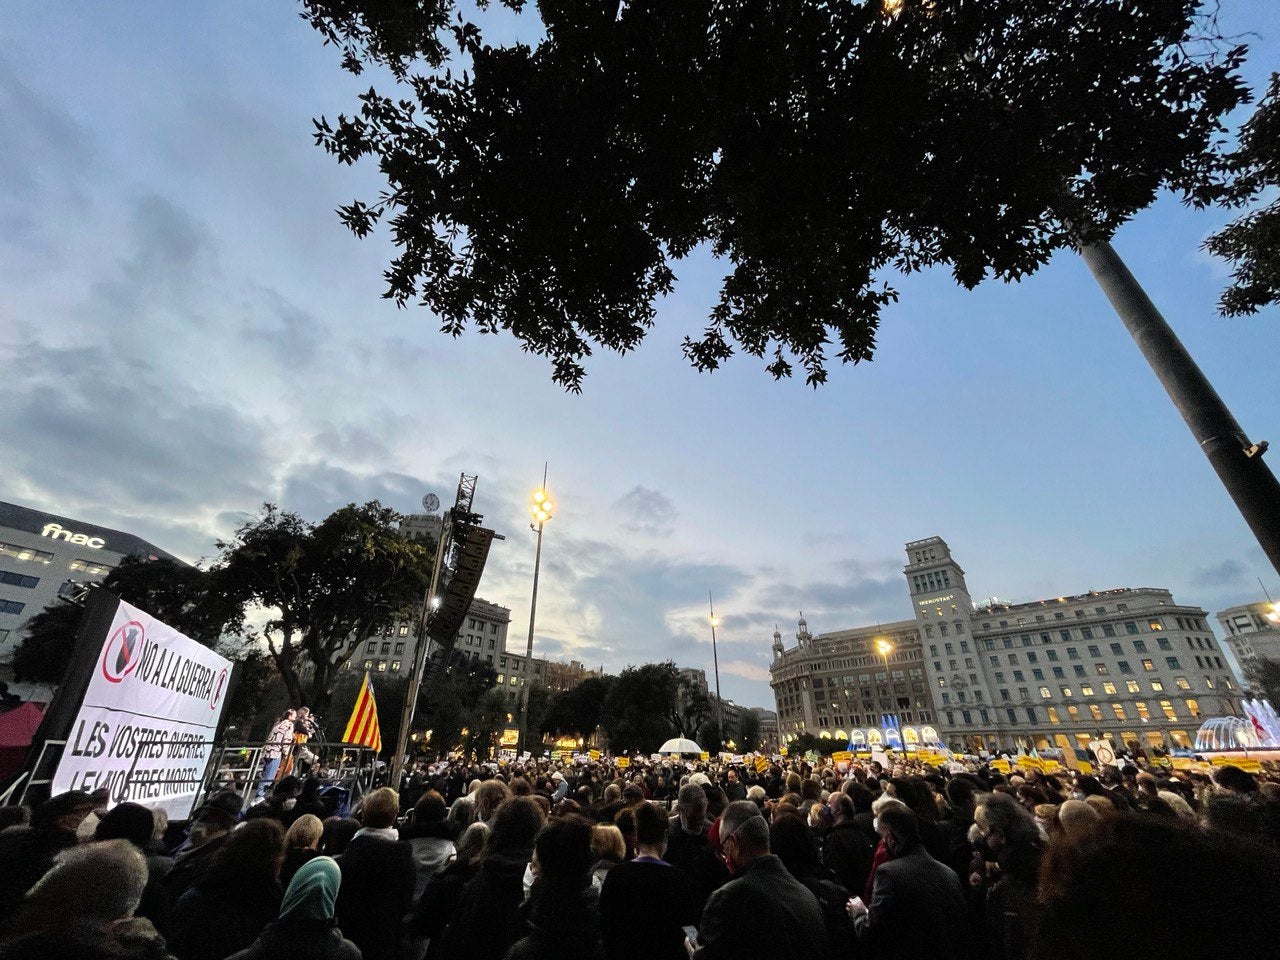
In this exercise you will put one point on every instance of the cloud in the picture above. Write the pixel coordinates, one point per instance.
(746, 669)
(647, 511)
(1228, 573)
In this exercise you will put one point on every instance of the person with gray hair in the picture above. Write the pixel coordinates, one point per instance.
(84, 906)
(762, 896)
(689, 846)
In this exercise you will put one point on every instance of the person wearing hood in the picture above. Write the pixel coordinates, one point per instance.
(487, 922)
(560, 787)
(562, 898)
(431, 837)
(306, 929)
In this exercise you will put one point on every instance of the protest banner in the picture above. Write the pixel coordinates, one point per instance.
(146, 725)
(762, 764)
(594, 755)
(1001, 766)
(622, 762)
(841, 756)
(704, 756)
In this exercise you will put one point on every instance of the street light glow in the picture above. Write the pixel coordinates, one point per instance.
(715, 621)
(541, 506)
(885, 647)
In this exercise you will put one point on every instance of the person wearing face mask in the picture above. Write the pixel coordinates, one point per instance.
(1017, 843)
(917, 906)
(761, 896)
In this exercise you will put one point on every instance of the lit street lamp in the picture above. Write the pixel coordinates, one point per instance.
(884, 648)
(715, 662)
(540, 508)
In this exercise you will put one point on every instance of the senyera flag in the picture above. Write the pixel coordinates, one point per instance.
(363, 727)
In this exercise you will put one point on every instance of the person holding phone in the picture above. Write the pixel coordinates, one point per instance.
(647, 908)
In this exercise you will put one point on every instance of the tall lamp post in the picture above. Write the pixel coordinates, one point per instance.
(541, 509)
(884, 648)
(715, 663)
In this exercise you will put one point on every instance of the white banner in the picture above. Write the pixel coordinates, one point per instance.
(154, 697)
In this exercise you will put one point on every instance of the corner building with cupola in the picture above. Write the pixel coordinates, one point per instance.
(1129, 664)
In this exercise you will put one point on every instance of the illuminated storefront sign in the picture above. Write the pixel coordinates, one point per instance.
(55, 531)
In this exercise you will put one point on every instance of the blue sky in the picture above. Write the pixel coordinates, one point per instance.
(189, 331)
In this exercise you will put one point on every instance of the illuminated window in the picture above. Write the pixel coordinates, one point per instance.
(1044, 692)
(1148, 665)
(1193, 707)
(1101, 668)
(1086, 690)
(30, 555)
(1142, 709)
(368, 664)
(1183, 683)
(1053, 716)
(1118, 709)
(1096, 711)
(90, 566)
(1167, 707)
(1132, 686)
(395, 665)
(404, 629)
(1155, 625)
(1108, 687)
(1066, 691)
(1073, 713)
(382, 666)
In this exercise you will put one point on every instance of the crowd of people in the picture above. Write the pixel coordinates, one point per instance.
(661, 861)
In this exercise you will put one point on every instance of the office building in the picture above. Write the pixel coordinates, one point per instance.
(1129, 664)
(1252, 632)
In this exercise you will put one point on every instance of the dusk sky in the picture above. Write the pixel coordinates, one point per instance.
(189, 331)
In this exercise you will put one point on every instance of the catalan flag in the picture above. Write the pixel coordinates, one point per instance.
(363, 727)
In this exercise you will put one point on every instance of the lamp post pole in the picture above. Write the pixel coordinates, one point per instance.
(540, 509)
(885, 648)
(715, 664)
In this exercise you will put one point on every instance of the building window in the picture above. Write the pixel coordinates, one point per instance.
(18, 580)
(11, 606)
(404, 629)
(1086, 632)
(1130, 627)
(1172, 663)
(1066, 692)
(368, 664)
(1053, 716)
(1193, 707)
(1031, 715)
(1124, 667)
(1132, 686)
(386, 647)
(93, 567)
(1163, 643)
(1052, 655)
(1167, 707)
(1101, 668)
(1116, 649)
(1157, 686)
(371, 648)
(1109, 688)
(1148, 665)
(1095, 711)
(1038, 673)
(399, 648)
(382, 666)
(1019, 675)
(1183, 683)
(1155, 625)
(1108, 630)
(1118, 709)
(395, 665)
(1058, 673)
(1044, 693)
(28, 554)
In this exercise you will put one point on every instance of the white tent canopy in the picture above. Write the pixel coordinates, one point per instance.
(679, 745)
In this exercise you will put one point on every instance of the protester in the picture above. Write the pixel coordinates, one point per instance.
(562, 912)
(210, 827)
(763, 905)
(338, 832)
(486, 922)
(1011, 834)
(228, 907)
(135, 823)
(27, 852)
(646, 902)
(301, 843)
(378, 877)
(435, 908)
(795, 844)
(84, 908)
(917, 908)
(689, 844)
(305, 929)
(431, 838)
(850, 844)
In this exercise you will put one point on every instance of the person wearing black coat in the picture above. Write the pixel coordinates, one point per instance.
(487, 921)
(794, 843)
(562, 914)
(436, 906)
(917, 906)
(850, 844)
(228, 907)
(763, 906)
(377, 879)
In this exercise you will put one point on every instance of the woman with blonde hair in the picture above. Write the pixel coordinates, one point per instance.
(301, 843)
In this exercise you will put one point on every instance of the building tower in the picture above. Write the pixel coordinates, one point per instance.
(944, 611)
(777, 643)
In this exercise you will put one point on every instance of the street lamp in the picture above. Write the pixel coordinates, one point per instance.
(715, 662)
(541, 509)
(884, 648)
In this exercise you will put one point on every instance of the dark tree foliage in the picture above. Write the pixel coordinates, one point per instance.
(577, 711)
(749, 732)
(1264, 675)
(325, 588)
(636, 712)
(1252, 242)
(187, 598)
(547, 189)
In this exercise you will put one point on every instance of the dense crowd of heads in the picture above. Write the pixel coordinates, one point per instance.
(556, 860)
